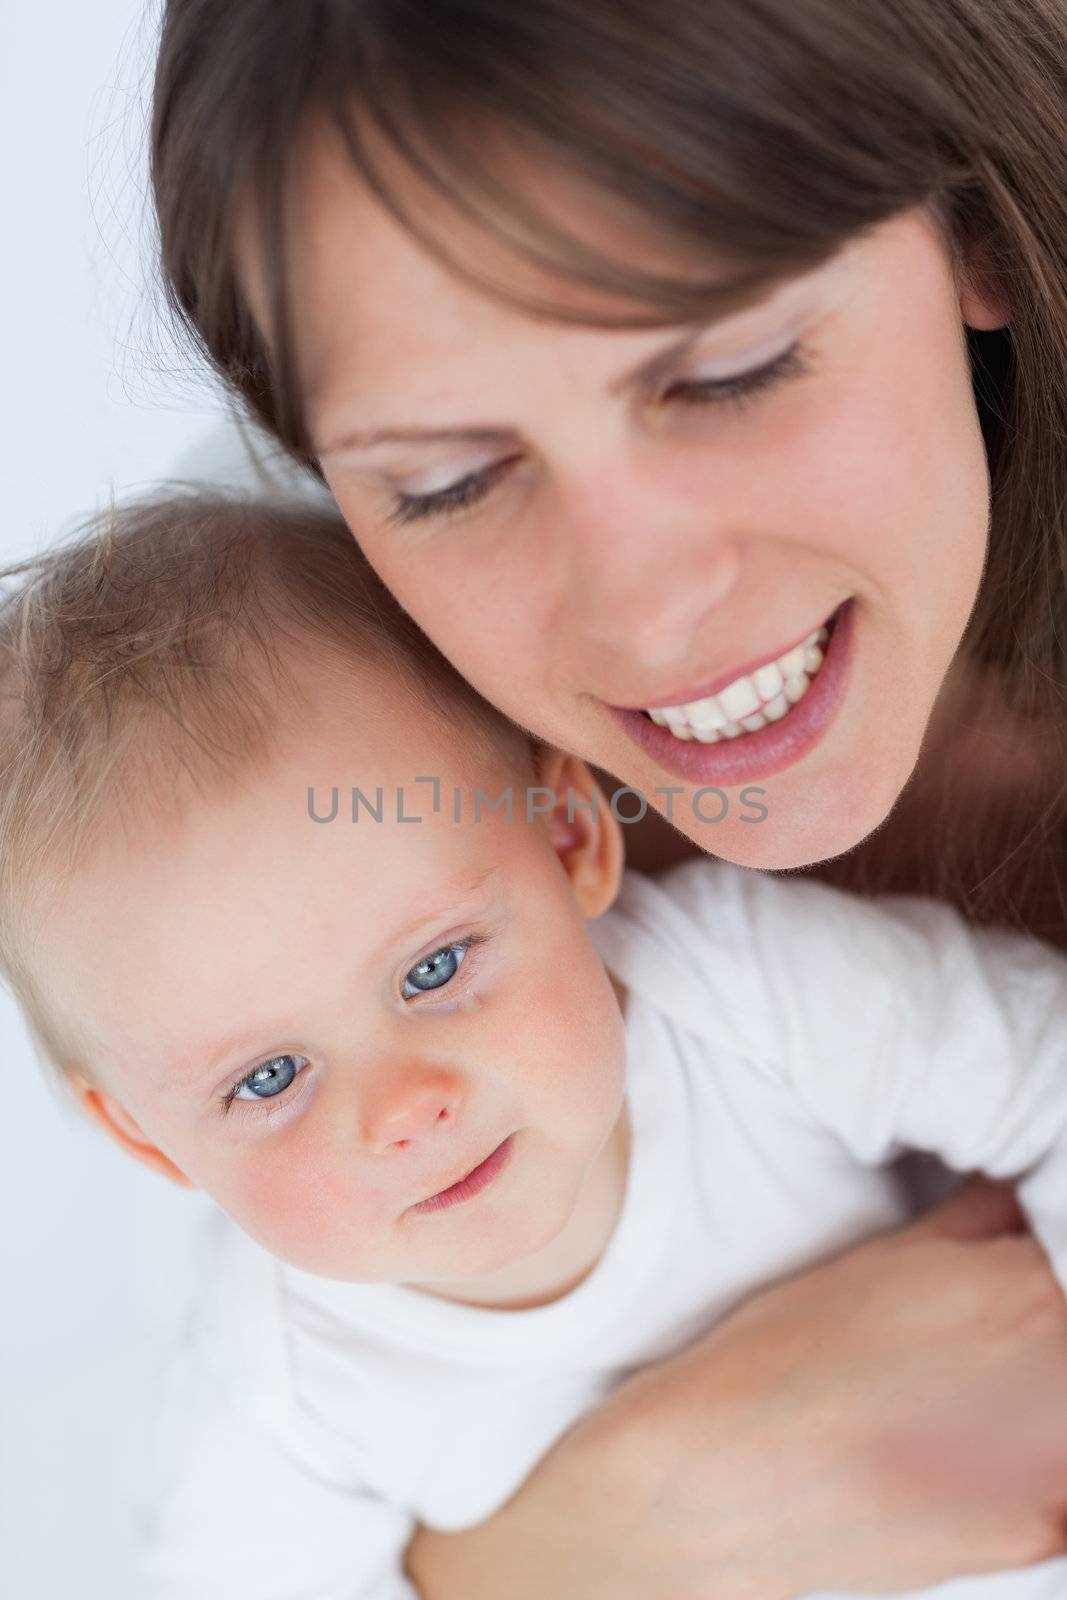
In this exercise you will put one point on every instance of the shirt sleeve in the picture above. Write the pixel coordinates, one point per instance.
(239, 1503)
(901, 1026)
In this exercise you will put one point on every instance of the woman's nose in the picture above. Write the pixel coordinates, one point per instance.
(403, 1103)
(645, 582)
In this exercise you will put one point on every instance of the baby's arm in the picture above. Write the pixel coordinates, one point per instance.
(901, 1026)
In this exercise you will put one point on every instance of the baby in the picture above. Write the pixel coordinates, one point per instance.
(490, 1123)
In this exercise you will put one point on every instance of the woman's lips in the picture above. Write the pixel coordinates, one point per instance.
(684, 697)
(772, 749)
(478, 1179)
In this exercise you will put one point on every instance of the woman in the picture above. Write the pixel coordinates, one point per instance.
(696, 375)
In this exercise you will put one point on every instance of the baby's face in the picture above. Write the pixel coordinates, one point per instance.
(326, 1025)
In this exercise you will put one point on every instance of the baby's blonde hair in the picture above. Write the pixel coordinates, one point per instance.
(154, 653)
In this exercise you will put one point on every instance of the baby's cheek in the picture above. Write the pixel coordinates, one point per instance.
(272, 1199)
(582, 1047)
(301, 1210)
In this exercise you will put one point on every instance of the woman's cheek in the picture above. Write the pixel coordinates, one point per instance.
(500, 574)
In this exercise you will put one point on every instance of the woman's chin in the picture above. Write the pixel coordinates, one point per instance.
(783, 825)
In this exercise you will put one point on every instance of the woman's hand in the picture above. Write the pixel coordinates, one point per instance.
(888, 1419)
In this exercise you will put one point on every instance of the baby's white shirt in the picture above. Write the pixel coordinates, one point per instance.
(784, 1043)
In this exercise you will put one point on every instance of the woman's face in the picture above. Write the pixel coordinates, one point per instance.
(595, 525)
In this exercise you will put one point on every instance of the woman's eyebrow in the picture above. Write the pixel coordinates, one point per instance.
(656, 366)
(476, 434)
(647, 371)
(731, 300)
(378, 436)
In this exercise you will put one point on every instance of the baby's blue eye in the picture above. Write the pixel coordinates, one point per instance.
(435, 971)
(270, 1078)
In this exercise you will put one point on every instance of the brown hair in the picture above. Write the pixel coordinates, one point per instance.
(755, 135)
(154, 652)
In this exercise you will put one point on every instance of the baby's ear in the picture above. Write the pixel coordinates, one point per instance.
(583, 829)
(119, 1125)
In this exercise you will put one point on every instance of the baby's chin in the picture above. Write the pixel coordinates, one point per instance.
(467, 1254)
(503, 1270)
(504, 1254)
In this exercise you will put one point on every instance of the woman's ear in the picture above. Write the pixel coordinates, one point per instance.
(983, 304)
(118, 1124)
(584, 832)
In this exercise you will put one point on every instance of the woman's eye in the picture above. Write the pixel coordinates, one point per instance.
(457, 497)
(736, 391)
(269, 1080)
(743, 386)
(435, 971)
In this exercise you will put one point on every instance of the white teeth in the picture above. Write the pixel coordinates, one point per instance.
(751, 701)
(739, 699)
(707, 716)
(768, 681)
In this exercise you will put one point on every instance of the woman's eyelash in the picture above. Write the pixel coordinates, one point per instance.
(411, 507)
(737, 392)
(745, 386)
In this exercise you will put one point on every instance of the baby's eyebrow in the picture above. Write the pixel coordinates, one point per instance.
(452, 902)
(205, 1061)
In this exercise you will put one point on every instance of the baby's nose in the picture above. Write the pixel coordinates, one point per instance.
(405, 1103)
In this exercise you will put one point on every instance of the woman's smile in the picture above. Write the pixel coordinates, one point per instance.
(758, 723)
(742, 701)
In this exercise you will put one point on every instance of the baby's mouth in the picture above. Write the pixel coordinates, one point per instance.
(752, 700)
